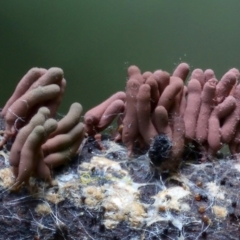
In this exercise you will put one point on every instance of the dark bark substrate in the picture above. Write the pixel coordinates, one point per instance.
(19, 220)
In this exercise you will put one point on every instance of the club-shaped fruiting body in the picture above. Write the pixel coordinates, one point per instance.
(38, 88)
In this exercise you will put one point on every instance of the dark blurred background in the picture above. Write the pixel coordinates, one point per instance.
(95, 41)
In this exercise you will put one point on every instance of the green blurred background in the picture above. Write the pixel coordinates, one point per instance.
(94, 41)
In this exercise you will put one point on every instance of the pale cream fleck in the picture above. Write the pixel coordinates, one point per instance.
(172, 199)
(220, 212)
(6, 177)
(43, 209)
(215, 191)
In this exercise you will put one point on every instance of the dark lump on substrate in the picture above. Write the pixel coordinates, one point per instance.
(160, 150)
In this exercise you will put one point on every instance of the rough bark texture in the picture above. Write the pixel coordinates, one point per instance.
(100, 195)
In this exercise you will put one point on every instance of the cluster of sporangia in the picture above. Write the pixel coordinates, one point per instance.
(157, 109)
(169, 112)
(41, 143)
